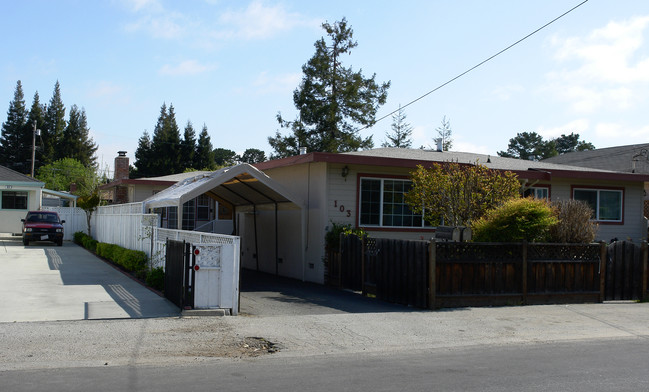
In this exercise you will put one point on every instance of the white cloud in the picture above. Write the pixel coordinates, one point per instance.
(187, 67)
(615, 132)
(610, 54)
(167, 25)
(505, 93)
(283, 83)
(603, 70)
(140, 5)
(259, 21)
(104, 89)
(579, 126)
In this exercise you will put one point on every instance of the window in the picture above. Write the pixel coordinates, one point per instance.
(382, 204)
(537, 192)
(606, 204)
(203, 208)
(188, 214)
(14, 200)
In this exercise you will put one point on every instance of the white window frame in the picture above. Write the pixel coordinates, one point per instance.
(424, 225)
(543, 190)
(597, 211)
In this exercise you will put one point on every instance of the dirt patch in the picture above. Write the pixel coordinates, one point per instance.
(245, 348)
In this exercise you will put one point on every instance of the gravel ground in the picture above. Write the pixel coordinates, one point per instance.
(190, 340)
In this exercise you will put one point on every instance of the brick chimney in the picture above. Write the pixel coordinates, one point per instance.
(121, 166)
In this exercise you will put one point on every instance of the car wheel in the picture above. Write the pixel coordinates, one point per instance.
(26, 242)
(59, 242)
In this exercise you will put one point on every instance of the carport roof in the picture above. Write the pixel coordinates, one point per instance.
(238, 185)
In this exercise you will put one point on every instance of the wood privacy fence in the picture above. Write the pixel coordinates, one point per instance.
(482, 274)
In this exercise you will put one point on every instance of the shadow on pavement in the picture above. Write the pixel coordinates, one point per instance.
(266, 294)
(77, 267)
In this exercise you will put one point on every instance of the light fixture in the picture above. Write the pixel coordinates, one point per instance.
(345, 172)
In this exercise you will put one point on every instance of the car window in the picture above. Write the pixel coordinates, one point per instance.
(46, 218)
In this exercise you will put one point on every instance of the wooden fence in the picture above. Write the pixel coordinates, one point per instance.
(484, 274)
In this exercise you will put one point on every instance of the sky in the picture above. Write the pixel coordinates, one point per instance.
(233, 66)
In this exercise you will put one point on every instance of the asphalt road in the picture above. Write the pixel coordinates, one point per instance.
(601, 365)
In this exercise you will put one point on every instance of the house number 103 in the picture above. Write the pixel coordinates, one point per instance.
(341, 208)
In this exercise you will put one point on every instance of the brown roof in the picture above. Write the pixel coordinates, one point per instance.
(411, 158)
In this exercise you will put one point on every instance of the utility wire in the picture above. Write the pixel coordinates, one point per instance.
(477, 65)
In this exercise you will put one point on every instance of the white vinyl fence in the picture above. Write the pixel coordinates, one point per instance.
(75, 220)
(124, 225)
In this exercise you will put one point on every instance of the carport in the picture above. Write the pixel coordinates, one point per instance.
(260, 206)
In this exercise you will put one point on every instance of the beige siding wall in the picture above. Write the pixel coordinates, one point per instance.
(342, 206)
(137, 193)
(10, 219)
(307, 182)
(634, 226)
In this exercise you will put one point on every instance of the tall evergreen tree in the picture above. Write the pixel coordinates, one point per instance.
(401, 131)
(75, 141)
(54, 126)
(165, 144)
(143, 156)
(188, 147)
(13, 150)
(204, 157)
(333, 101)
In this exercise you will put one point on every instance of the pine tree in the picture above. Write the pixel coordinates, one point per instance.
(188, 147)
(333, 101)
(204, 157)
(143, 155)
(165, 144)
(401, 131)
(444, 134)
(54, 127)
(13, 150)
(75, 141)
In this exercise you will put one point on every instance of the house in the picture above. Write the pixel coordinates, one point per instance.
(284, 207)
(632, 158)
(200, 213)
(19, 194)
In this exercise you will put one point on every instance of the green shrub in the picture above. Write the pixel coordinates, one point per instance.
(516, 220)
(575, 224)
(332, 237)
(156, 278)
(83, 239)
(78, 237)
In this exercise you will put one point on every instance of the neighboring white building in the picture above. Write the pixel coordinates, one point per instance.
(18, 194)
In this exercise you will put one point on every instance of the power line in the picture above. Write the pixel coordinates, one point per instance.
(477, 65)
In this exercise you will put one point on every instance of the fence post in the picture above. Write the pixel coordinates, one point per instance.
(602, 270)
(524, 273)
(643, 295)
(363, 238)
(432, 260)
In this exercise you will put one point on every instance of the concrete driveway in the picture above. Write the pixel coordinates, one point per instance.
(45, 282)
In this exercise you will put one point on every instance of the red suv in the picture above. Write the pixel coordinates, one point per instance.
(42, 226)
